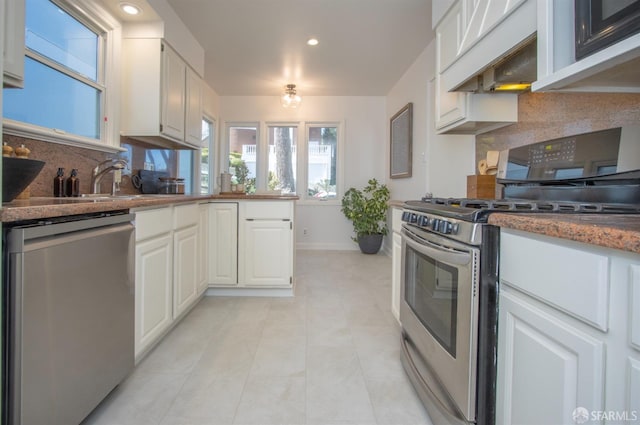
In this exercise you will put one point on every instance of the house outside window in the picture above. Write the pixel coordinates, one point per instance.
(322, 160)
(279, 162)
(243, 154)
(64, 78)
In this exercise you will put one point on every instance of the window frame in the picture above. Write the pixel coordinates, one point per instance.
(303, 158)
(263, 153)
(225, 148)
(213, 179)
(108, 30)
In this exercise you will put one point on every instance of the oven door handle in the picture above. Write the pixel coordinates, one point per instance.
(435, 251)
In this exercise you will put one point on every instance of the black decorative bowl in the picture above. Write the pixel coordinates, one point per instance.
(17, 174)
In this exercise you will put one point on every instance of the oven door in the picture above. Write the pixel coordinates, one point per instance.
(439, 314)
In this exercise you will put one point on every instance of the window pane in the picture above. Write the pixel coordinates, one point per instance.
(206, 161)
(242, 156)
(53, 33)
(282, 158)
(322, 150)
(54, 100)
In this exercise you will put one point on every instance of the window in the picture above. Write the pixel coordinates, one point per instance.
(206, 157)
(243, 154)
(64, 79)
(322, 153)
(282, 158)
(310, 169)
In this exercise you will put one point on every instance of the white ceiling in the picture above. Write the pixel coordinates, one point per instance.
(256, 47)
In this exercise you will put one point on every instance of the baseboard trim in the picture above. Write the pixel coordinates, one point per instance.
(250, 292)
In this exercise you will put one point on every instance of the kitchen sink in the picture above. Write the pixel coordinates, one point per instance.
(108, 197)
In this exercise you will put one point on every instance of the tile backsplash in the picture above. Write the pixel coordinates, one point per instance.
(84, 160)
(546, 116)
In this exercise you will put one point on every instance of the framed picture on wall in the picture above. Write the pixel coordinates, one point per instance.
(401, 142)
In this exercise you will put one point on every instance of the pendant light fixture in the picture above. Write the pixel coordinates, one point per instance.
(290, 99)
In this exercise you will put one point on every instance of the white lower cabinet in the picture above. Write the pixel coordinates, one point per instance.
(251, 244)
(267, 252)
(547, 367)
(396, 261)
(203, 248)
(223, 244)
(567, 320)
(154, 289)
(185, 268)
(167, 265)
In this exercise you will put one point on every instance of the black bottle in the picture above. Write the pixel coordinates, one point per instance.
(58, 183)
(73, 184)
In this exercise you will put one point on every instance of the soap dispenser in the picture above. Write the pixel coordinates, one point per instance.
(58, 183)
(73, 184)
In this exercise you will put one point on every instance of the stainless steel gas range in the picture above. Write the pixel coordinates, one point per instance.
(450, 286)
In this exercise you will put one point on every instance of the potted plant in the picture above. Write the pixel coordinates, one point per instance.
(367, 209)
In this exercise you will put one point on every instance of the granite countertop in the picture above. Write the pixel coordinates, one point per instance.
(39, 208)
(607, 230)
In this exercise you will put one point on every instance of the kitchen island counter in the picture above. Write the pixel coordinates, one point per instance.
(606, 230)
(42, 208)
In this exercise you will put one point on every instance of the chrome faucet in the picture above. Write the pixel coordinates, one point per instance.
(113, 164)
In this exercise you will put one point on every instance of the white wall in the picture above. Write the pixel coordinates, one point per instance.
(179, 37)
(365, 145)
(440, 162)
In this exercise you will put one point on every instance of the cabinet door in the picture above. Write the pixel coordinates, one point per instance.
(154, 277)
(194, 108)
(223, 244)
(265, 253)
(396, 279)
(450, 107)
(546, 367)
(203, 248)
(173, 94)
(13, 51)
(185, 269)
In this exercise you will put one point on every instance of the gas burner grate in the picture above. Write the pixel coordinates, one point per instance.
(524, 206)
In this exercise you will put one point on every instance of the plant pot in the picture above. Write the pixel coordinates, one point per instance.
(370, 244)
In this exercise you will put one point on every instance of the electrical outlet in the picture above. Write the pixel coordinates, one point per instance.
(304, 232)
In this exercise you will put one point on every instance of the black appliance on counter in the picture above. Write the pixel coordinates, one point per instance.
(449, 289)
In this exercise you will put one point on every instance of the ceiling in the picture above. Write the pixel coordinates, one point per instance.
(256, 47)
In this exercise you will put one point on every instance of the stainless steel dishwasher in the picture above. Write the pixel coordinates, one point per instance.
(69, 316)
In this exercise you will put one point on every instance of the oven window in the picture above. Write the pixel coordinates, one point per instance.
(431, 290)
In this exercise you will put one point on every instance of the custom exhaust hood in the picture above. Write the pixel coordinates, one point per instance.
(513, 73)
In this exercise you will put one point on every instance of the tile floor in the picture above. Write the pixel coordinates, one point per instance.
(330, 355)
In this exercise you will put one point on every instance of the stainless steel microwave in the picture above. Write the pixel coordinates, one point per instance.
(601, 23)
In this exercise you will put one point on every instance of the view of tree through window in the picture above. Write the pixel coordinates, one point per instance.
(282, 158)
(322, 151)
(243, 155)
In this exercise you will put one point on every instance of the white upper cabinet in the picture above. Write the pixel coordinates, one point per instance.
(489, 30)
(612, 69)
(161, 98)
(460, 112)
(193, 119)
(13, 48)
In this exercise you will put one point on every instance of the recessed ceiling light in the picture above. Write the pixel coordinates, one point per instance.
(130, 9)
(312, 42)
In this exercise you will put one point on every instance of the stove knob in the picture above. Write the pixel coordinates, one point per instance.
(424, 221)
(406, 215)
(413, 218)
(444, 227)
(435, 224)
(454, 228)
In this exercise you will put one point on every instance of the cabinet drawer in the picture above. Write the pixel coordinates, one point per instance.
(559, 273)
(185, 215)
(268, 210)
(154, 222)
